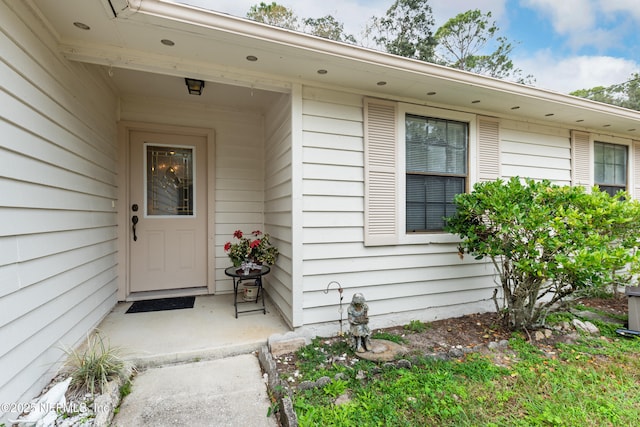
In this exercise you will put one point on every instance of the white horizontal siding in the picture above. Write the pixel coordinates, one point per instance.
(278, 218)
(57, 218)
(389, 311)
(537, 152)
(394, 279)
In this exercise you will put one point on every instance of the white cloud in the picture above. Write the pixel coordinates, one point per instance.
(588, 23)
(567, 16)
(629, 7)
(578, 72)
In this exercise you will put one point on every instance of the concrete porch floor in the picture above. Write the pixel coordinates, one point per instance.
(209, 330)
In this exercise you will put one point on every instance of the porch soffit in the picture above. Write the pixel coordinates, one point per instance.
(214, 47)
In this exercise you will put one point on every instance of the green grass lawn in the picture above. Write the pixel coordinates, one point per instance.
(595, 382)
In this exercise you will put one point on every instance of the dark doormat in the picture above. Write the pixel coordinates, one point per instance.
(161, 304)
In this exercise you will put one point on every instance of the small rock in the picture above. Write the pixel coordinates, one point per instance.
(342, 399)
(493, 345)
(538, 336)
(456, 352)
(323, 381)
(306, 385)
(361, 375)
(587, 327)
(340, 376)
(503, 343)
(404, 364)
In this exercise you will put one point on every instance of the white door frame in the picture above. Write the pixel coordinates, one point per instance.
(123, 203)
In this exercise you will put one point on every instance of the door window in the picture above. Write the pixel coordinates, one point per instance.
(169, 180)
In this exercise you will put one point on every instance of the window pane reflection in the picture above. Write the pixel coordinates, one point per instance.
(170, 185)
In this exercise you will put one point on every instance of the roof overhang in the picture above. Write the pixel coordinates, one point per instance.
(215, 47)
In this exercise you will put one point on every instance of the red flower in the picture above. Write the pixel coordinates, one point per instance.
(227, 246)
(237, 234)
(256, 232)
(254, 243)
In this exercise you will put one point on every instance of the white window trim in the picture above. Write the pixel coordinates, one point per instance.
(437, 113)
(594, 137)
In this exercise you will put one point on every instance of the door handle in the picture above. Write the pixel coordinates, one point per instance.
(134, 220)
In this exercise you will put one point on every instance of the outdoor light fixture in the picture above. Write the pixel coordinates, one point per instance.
(194, 86)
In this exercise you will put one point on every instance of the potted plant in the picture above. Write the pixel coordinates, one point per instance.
(250, 253)
(254, 249)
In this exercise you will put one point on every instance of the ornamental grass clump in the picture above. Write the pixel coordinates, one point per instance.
(95, 364)
(257, 248)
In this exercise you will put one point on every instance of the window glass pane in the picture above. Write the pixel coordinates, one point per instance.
(598, 150)
(169, 180)
(435, 149)
(620, 154)
(599, 172)
(612, 190)
(610, 166)
(620, 175)
(608, 174)
(436, 146)
(430, 199)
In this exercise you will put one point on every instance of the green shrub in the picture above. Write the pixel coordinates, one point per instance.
(547, 241)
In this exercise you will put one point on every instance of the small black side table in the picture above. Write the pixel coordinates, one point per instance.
(238, 276)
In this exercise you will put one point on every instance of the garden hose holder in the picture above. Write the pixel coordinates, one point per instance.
(340, 309)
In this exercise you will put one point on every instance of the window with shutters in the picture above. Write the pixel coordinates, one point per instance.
(417, 158)
(610, 166)
(436, 170)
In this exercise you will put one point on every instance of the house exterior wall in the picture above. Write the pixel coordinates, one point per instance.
(239, 169)
(278, 206)
(535, 151)
(400, 282)
(58, 212)
(421, 277)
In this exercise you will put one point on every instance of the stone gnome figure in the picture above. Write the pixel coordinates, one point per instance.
(359, 321)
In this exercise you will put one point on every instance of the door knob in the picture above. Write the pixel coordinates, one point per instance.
(134, 220)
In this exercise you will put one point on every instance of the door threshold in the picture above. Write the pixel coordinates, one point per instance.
(169, 293)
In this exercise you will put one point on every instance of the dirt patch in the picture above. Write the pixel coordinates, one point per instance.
(455, 337)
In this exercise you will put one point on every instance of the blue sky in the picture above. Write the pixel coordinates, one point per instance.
(565, 44)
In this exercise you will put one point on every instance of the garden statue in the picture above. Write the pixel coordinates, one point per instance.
(359, 321)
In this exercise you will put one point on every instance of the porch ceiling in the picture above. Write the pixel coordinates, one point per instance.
(215, 47)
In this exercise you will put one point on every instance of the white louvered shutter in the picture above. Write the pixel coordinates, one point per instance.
(581, 163)
(488, 149)
(380, 173)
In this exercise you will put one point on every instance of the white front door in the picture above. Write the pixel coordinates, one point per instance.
(167, 211)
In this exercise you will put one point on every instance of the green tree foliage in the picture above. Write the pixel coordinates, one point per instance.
(284, 17)
(405, 30)
(625, 95)
(546, 241)
(463, 41)
(329, 28)
(274, 14)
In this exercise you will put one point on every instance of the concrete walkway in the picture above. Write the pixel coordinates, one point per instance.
(225, 392)
(209, 330)
(197, 367)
